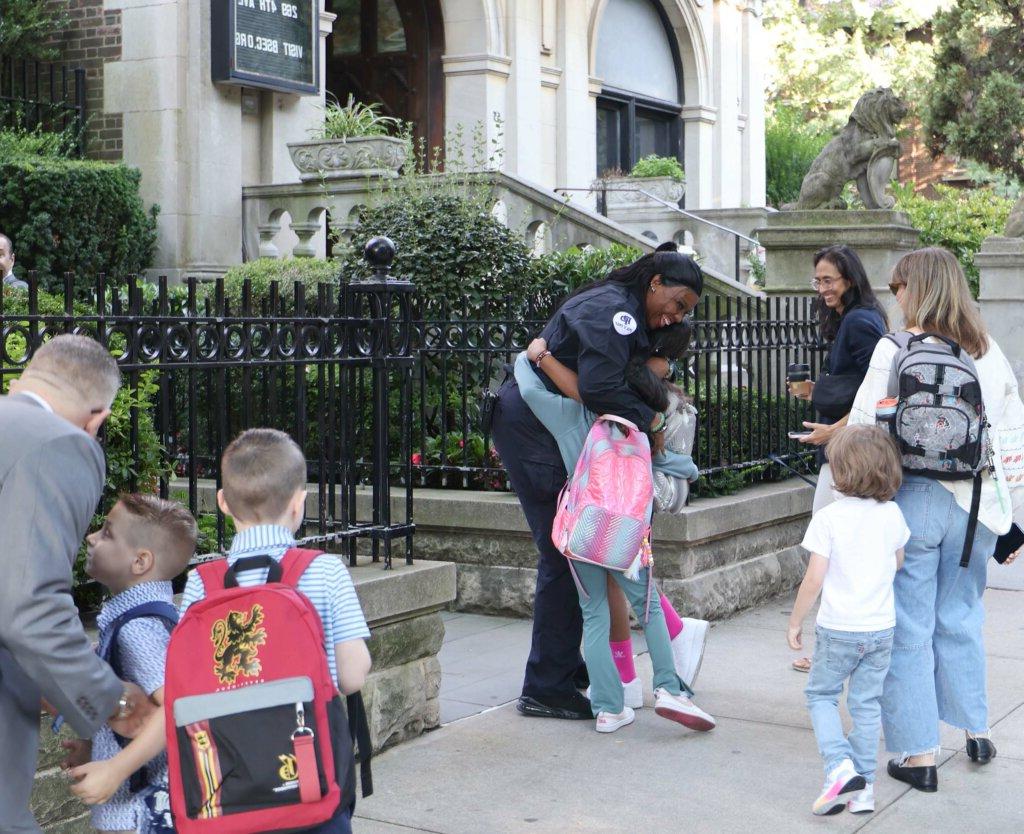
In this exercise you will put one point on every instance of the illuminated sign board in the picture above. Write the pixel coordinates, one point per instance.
(272, 44)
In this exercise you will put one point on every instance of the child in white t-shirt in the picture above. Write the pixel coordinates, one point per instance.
(856, 547)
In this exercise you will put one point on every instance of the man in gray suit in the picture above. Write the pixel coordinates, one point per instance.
(7, 264)
(51, 478)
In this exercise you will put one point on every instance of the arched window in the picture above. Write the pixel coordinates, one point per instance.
(638, 63)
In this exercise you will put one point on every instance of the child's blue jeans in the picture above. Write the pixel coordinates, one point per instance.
(862, 657)
(605, 686)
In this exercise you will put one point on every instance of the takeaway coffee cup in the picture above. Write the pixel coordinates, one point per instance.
(798, 375)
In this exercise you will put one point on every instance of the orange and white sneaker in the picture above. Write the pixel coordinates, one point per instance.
(682, 710)
(609, 722)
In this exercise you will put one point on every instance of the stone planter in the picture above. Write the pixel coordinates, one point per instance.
(621, 192)
(352, 158)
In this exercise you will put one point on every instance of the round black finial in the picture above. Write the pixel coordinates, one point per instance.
(379, 252)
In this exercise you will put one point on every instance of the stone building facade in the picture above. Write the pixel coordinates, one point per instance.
(569, 88)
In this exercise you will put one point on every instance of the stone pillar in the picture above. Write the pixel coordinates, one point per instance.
(791, 238)
(698, 139)
(1001, 264)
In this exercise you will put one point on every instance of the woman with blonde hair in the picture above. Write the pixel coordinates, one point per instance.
(938, 660)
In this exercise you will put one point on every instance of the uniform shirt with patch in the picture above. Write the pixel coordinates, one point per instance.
(595, 334)
(142, 648)
(859, 537)
(326, 582)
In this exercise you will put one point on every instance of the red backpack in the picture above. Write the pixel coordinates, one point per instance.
(257, 736)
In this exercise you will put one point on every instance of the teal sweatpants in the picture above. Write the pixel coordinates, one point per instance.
(605, 685)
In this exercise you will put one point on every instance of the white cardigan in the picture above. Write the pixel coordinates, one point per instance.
(1005, 413)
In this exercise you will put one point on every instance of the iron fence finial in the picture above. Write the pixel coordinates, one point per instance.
(379, 253)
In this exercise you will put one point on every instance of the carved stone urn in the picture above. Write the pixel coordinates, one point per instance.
(624, 192)
(351, 158)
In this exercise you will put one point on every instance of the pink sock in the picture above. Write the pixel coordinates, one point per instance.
(622, 654)
(675, 625)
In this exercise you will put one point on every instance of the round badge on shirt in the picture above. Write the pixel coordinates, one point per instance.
(624, 323)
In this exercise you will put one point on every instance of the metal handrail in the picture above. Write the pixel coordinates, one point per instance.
(737, 236)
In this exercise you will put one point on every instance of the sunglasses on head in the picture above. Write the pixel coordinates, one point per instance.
(895, 288)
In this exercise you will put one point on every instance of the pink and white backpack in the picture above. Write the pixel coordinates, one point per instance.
(604, 511)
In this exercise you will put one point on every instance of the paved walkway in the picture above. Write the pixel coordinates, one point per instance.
(489, 770)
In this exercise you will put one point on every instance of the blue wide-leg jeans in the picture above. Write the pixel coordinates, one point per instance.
(937, 670)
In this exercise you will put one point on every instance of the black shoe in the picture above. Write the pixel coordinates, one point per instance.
(923, 778)
(571, 707)
(981, 750)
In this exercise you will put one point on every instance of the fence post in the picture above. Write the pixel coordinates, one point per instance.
(387, 305)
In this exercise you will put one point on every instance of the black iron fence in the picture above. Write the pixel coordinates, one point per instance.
(735, 376)
(199, 367)
(37, 94)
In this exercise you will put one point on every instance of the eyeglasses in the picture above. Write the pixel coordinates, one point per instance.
(827, 283)
(895, 288)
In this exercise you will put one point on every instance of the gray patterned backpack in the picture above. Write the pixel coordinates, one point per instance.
(939, 419)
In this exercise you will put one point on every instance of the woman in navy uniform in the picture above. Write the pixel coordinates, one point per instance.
(594, 332)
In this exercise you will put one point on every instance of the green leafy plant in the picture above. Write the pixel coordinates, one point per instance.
(355, 119)
(959, 220)
(75, 216)
(18, 142)
(658, 166)
(559, 273)
(790, 146)
(27, 27)
(309, 272)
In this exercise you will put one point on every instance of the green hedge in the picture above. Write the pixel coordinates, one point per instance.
(958, 219)
(790, 146)
(75, 216)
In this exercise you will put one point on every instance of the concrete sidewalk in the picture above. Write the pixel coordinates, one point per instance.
(490, 770)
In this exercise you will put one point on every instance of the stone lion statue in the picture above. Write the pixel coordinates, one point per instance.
(1015, 222)
(865, 150)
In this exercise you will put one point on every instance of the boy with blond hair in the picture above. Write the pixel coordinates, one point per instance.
(263, 473)
(144, 543)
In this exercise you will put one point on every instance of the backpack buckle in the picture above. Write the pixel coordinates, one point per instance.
(300, 721)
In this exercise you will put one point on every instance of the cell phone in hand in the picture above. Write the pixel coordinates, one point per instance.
(796, 435)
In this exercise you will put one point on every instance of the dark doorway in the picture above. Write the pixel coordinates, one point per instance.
(389, 51)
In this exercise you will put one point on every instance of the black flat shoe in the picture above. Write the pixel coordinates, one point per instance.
(924, 778)
(981, 750)
(575, 707)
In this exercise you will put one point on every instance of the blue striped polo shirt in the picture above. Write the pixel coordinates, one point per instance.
(326, 583)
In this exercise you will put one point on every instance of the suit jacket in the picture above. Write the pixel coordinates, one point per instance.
(51, 480)
(13, 281)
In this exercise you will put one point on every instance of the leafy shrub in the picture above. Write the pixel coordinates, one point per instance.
(355, 119)
(27, 27)
(559, 273)
(790, 146)
(19, 143)
(448, 246)
(75, 216)
(310, 272)
(959, 220)
(658, 166)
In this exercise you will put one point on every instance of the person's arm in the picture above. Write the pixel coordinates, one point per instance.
(353, 659)
(814, 578)
(96, 782)
(565, 379)
(875, 386)
(676, 465)
(555, 412)
(46, 503)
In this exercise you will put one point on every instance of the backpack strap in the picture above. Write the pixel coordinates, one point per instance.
(294, 564)
(359, 731)
(972, 521)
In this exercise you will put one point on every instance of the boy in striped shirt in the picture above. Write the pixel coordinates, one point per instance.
(264, 492)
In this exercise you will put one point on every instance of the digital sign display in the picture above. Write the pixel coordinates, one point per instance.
(269, 44)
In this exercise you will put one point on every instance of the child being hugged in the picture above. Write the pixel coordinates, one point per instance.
(856, 547)
(264, 492)
(144, 543)
(569, 423)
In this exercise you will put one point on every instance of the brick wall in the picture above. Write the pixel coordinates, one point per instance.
(92, 38)
(918, 166)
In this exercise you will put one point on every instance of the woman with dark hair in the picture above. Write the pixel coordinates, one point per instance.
(595, 332)
(850, 322)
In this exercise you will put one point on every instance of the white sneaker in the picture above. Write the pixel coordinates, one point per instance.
(863, 802)
(681, 709)
(688, 649)
(841, 784)
(609, 722)
(632, 693)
